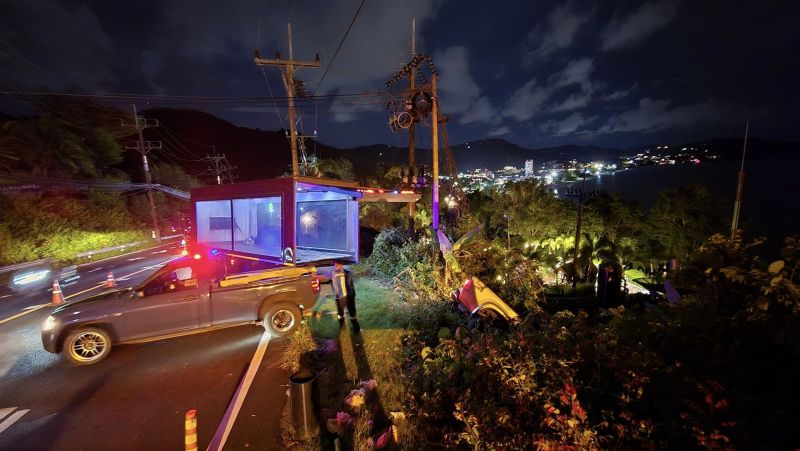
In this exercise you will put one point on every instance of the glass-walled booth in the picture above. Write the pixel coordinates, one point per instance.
(284, 221)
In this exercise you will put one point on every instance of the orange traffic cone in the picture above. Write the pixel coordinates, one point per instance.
(190, 427)
(110, 282)
(58, 298)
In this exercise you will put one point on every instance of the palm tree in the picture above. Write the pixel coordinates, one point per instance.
(594, 250)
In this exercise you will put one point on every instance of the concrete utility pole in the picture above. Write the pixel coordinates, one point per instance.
(289, 67)
(143, 147)
(222, 168)
(412, 206)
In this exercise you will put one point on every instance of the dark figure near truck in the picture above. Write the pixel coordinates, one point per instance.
(344, 291)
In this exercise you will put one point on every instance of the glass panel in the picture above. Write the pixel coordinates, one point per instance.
(322, 225)
(214, 223)
(257, 226)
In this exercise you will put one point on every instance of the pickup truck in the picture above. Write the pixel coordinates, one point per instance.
(188, 295)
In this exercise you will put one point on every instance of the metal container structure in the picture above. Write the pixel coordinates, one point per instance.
(291, 220)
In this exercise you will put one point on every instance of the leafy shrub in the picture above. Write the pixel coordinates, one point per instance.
(60, 227)
(407, 265)
(710, 372)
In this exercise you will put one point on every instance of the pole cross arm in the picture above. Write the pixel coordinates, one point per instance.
(295, 63)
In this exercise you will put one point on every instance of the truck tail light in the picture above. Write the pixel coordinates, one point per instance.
(315, 285)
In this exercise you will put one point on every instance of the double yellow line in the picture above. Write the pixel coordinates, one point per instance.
(99, 285)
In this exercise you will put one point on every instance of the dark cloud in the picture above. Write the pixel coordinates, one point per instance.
(557, 33)
(538, 74)
(631, 29)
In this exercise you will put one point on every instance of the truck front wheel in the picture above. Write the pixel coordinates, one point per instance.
(282, 318)
(86, 346)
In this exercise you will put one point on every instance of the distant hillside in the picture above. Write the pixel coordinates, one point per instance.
(731, 148)
(484, 153)
(257, 154)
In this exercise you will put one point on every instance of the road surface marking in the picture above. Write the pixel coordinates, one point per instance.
(159, 252)
(5, 296)
(32, 309)
(96, 269)
(136, 258)
(33, 306)
(99, 285)
(6, 411)
(12, 419)
(235, 405)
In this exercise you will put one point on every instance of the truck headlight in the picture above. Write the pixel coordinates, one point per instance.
(49, 324)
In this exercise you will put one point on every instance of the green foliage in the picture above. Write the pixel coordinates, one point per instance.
(681, 220)
(332, 168)
(382, 215)
(174, 176)
(50, 147)
(60, 227)
(709, 372)
(407, 265)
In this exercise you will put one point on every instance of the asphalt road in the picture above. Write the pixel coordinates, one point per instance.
(137, 397)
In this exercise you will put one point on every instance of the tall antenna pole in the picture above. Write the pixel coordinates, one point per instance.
(739, 187)
(412, 206)
(288, 80)
(435, 132)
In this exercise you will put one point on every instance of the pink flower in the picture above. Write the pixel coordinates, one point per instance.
(343, 418)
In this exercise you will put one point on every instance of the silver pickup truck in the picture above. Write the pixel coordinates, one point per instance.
(185, 296)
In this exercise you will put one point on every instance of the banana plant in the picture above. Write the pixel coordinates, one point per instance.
(450, 251)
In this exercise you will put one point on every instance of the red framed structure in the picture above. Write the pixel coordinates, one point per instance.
(291, 220)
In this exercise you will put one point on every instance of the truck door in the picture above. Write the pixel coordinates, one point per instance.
(171, 301)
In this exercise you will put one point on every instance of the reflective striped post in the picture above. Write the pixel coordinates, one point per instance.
(191, 430)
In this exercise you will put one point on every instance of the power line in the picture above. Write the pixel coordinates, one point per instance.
(355, 16)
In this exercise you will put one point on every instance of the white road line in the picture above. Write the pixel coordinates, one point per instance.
(96, 269)
(5, 296)
(235, 405)
(12, 419)
(159, 252)
(6, 411)
(136, 258)
(33, 306)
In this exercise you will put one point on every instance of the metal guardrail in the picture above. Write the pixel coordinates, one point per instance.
(15, 267)
(37, 183)
(107, 249)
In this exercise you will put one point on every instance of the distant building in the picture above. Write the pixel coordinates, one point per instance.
(528, 168)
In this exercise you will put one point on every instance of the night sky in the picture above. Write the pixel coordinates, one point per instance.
(617, 74)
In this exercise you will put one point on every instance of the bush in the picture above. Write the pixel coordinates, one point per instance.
(409, 266)
(707, 373)
(60, 227)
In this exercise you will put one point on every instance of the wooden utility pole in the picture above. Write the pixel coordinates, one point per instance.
(289, 67)
(143, 147)
(435, 132)
(412, 206)
(737, 205)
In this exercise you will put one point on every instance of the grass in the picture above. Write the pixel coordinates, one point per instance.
(343, 359)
